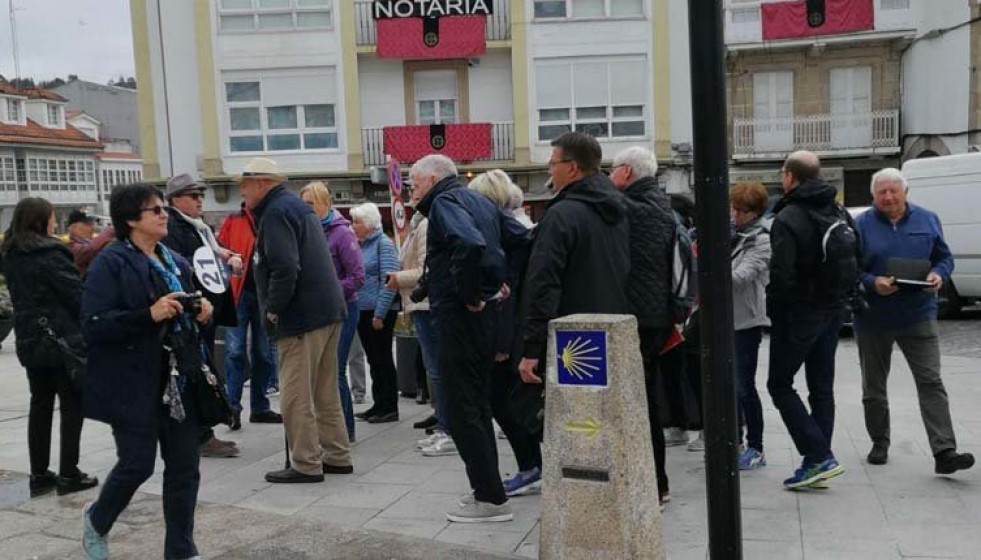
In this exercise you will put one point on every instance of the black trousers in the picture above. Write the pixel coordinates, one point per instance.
(378, 349)
(651, 342)
(136, 451)
(45, 384)
(527, 450)
(466, 361)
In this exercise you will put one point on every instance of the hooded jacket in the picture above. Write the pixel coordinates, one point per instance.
(795, 241)
(43, 282)
(580, 259)
(750, 271)
(345, 252)
(652, 229)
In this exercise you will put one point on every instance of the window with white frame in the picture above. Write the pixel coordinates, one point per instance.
(579, 95)
(546, 9)
(274, 15)
(895, 4)
(743, 11)
(14, 111)
(8, 173)
(54, 115)
(53, 174)
(280, 112)
(437, 96)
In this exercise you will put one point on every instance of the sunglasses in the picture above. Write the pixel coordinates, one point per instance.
(157, 210)
(194, 195)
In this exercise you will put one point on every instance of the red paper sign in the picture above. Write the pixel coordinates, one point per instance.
(431, 38)
(788, 20)
(459, 142)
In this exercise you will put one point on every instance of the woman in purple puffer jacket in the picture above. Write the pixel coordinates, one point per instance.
(346, 254)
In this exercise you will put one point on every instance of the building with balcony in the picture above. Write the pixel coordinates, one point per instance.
(43, 155)
(329, 88)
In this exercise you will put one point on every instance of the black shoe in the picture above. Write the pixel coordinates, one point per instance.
(335, 469)
(366, 414)
(879, 455)
(266, 417)
(292, 476)
(236, 421)
(41, 484)
(430, 430)
(77, 483)
(384, 418)
(426, 424)
(408, 395)
(950, 461)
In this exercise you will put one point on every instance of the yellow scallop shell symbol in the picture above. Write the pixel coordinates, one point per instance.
(577, 355)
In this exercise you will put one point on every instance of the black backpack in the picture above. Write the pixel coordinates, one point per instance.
(837, 264)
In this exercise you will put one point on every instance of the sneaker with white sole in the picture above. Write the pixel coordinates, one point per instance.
(94, 545)
(674, 437)
(524, 483)
(467, 499)
(429, 440)
(441, 448)
(697, 445)
(481, 512)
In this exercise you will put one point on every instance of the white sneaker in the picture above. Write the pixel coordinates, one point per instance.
(429, 441)
(698, 444)
(481, 512)
(674, 437)
(442, 447)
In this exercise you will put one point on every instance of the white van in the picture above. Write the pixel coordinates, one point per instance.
(951, 187)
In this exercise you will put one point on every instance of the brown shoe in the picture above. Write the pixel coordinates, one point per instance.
(218, 449)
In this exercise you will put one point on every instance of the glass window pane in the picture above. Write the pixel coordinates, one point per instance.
(587, 8)
(320, 140)
(236, 23)
(242, 91)
(283, 141)
(629, 111)
(309, 3)
(245, 143)
(552, 131)
(599, 130)
(427, 110)
(244, 118)
(275, 21)
(447, 111)
(313, 19)
(236, 4)
(317, 116)
(550, 9)
(281, 117)
(553, 114)
(626, 7)
(274, 3)
(633, 128)
(590, 112)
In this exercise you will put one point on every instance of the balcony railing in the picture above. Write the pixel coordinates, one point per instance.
(872, 132)
(366, 33)
(502, 143)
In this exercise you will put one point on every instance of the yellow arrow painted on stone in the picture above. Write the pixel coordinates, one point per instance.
(590, 427)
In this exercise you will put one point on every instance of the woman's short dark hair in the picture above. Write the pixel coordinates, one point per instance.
(31, 217)
(127, 203)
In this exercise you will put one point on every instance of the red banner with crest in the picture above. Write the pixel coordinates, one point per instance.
(788, 20)
(459, 142)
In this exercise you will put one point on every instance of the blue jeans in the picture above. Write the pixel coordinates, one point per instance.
(428, 342)
(811, 340)
(237, 366)
(348, 329)
(747, 357)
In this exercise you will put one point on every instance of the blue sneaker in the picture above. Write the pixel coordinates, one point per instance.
(524, 483)
(750, 459)
(808, 474)
(94, 545)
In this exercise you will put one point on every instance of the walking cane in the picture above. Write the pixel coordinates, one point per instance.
(286, 440)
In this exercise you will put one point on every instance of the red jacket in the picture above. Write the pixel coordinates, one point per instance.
(238, 235)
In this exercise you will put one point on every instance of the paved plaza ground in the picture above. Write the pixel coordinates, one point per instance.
(393, 504)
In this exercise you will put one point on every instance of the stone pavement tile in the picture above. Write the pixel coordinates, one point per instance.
(944, 538)
(446, 481)
(772, 550)
(368, 496)
(529, 546)
(770, 525)
(287, 499)
(13, 523)
(832, 547)
(687, 550)
(399, 473)
(421, 528)
(925, 511)
(232, 488)
(338, 515)
(822, 518)
(416, 505)
(482, 536)
(38, 546)
(413, 457)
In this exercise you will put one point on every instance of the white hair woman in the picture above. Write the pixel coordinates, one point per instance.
(377, 320)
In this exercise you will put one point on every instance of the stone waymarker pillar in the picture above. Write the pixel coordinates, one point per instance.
(599, 489)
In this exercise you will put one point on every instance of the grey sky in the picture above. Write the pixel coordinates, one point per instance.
(91, 38)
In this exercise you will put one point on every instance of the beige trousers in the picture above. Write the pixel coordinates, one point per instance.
(310, 400)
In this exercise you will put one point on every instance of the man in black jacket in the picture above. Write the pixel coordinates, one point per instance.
(467, 246)
(580, 258)
(806, 320)
(652, 229)
(302, 300)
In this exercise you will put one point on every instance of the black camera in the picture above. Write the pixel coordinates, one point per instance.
(190, 302)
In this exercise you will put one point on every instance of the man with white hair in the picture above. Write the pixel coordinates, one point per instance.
(894, 232)
(652, 227)
(468, 241)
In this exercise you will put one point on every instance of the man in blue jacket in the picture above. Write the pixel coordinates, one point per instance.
(468, 242)
(905, 315)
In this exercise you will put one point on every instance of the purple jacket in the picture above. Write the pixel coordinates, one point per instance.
(345, 252)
